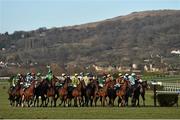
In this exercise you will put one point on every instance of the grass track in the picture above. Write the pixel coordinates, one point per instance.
(91, 112)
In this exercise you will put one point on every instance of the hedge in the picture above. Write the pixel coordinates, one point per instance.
(167, 99)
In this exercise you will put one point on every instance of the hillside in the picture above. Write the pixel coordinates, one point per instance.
(135, 38)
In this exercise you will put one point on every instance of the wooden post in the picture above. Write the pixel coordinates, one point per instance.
(155, 95)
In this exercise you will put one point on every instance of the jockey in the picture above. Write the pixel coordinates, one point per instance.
(109, 78)
(75, 80)
(119, 80)
(62, 80)
(15, 80)
(132, 79)
(38, 76)
(28, 80)
(86, 79)
(81, 75)
(63, 77)
(49, 76)
(102, 81)
(90, 76)
(126, 76)
(138, 80)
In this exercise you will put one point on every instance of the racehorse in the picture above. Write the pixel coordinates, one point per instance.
(121, 92)
(102, 93)
(14, 95)
(28, 94)
(143, 90)
(41, 91)
(63, 92)
(14, 92)
(77, 93)
(139, 89)
(91, 91)
(111, 93)
(51, 91)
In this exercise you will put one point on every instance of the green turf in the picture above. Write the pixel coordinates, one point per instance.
(6, 111)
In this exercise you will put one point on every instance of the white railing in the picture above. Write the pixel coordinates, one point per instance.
(171, 86)
(4, 78)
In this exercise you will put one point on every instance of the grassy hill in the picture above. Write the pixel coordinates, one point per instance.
(123, 40)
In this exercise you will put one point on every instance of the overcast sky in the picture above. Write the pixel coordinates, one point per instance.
(26, 15)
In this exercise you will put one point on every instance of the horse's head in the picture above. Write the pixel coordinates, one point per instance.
(33, 84)
(145, 84)
(110, 84)
(54, 80)
(83, 84)
(92, 85)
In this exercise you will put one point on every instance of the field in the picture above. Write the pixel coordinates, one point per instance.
(6, 111)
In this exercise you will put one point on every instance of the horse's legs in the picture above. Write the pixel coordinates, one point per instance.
(123, 101)
(95, 101)
(138, 100)
(28, 102)
(61, 101)
(47, 102)
(69, 102)
(80, 100)
(112, 102)
(22, 101)
(109, 101)
(119, 101)
(12, 100)
(126, 99)
(55, 101)
(65, 101)
(132, 101)
(42, 101)
(103, 101)
(31, 101)
(91, 100)
(37, 100)
(75, 102)
(143, 97)
(87, 101)
(51, 99)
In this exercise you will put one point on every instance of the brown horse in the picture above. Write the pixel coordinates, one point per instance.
(122, 91)
(41, 92)
(51, 91)
(102, 93)
(91, 93)
(143, 90)
(111, 93)
(14, 92)
(14, 95)
(77, 94)
(140, 90)
(63, 92)
(28, 94)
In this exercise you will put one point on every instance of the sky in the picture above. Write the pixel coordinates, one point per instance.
(16, 15)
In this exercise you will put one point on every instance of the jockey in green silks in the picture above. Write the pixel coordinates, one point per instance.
(15, 80)
(49, 76)
(102, 81)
